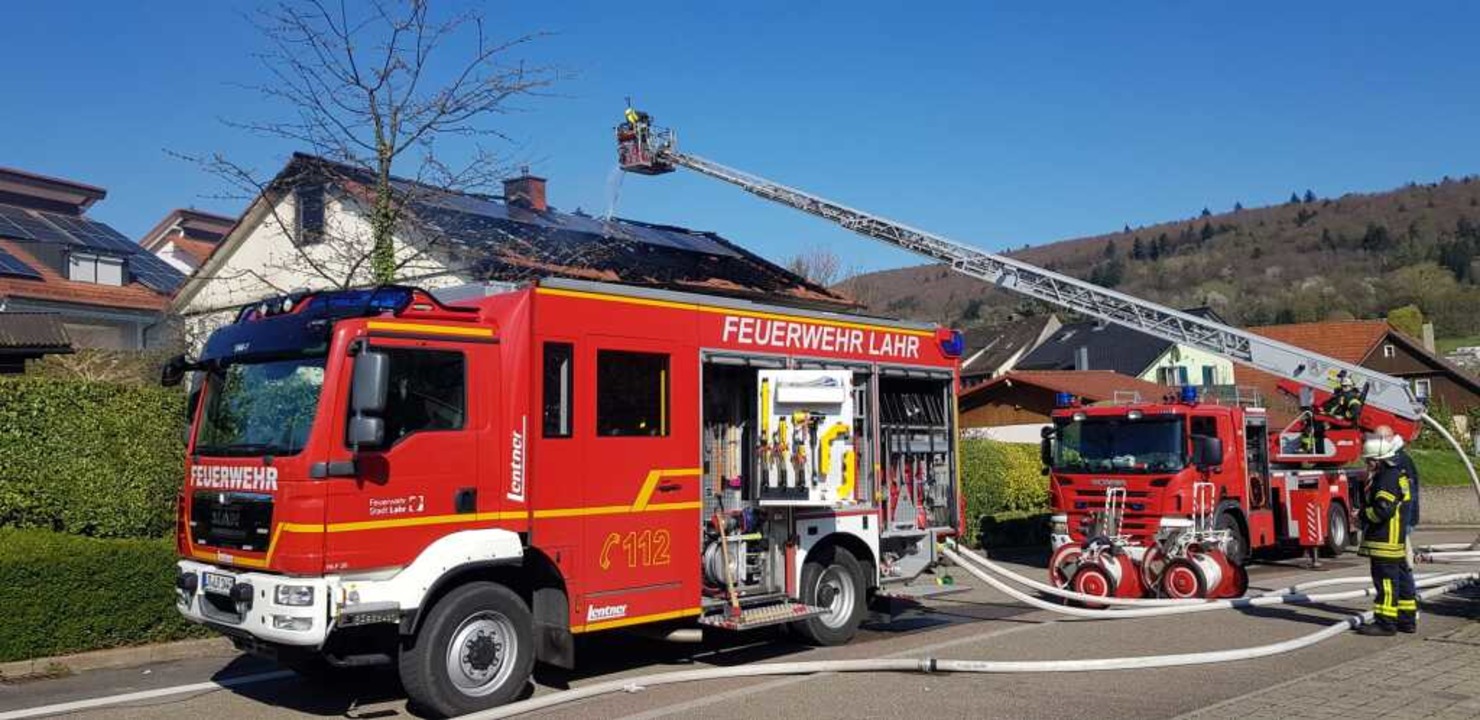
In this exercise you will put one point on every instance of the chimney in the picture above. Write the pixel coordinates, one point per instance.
(1428, 337)
(526, 191)
(1081, 358)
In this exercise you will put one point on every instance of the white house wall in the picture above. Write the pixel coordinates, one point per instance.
(1194, 360)
(268, 263)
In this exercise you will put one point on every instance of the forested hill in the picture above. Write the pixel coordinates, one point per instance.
(1312, 258)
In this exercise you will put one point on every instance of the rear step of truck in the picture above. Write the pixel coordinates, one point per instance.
(761, 615)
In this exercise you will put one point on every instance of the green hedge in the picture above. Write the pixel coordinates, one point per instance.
(1000, 477)
(63, 594)
(89, 458)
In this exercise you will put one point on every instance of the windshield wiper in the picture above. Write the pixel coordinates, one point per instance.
(240, 450)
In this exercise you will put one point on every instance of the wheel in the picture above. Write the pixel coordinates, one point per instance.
(1183, 580)
(1091, 579)
(833, 579)
(1238, 545)
(1240, 581)
(1338, 531)
(474, 651)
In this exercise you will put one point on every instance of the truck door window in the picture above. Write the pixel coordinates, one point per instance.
(558, 376)
(428, 392)
(631, 394)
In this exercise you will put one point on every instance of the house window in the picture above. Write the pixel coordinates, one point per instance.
(99, 269)
(1209, 375)
(631, 394)
(1423, 387)
(427, 392)
(1388, 351)
(309, 214)
(1174, 375)
(559, 360)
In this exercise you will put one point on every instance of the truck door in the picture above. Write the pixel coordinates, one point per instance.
(641, 485)
(422, 482)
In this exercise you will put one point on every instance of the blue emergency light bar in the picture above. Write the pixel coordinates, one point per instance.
(1189, 394)
(1063, 399)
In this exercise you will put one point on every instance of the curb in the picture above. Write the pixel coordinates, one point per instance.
(116, 658)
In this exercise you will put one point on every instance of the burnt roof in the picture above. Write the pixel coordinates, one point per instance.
(988, 348)
(503, 241)
(1110, 346)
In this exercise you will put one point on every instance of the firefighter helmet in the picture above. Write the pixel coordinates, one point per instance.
(1377, 448)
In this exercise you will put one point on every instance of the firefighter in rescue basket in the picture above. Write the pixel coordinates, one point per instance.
(1384, 539)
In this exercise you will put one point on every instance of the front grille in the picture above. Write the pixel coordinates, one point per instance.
(239, 521)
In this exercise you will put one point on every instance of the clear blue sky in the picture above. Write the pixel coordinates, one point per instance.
(995, 124)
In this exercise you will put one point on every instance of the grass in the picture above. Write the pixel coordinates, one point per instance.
(1439, 467)
(1448, 345)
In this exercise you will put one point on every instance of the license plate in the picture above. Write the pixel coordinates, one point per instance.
(218, 584)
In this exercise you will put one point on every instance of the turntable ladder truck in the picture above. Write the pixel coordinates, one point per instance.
(1269, 488)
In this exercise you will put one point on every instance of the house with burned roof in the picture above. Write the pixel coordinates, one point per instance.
(310, 229)
(81, 282)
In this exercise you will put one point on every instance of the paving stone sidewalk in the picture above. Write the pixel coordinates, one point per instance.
(1437, 678)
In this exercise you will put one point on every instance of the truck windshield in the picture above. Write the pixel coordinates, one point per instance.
(1119, 445)
(260, 408)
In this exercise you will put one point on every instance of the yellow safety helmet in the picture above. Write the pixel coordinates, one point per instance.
(631, 116)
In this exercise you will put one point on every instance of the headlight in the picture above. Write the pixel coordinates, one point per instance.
(297, 595)
(296, 624)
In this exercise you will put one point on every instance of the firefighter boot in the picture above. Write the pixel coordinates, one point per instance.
(1407, 621)
(1378, 628)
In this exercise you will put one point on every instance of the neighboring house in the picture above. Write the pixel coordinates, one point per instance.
(993, 351)
(311, 230)
(1097, 345)
(1371, 344)
(28, 336)
(185, 238)
(105, 290)
(1017, 405)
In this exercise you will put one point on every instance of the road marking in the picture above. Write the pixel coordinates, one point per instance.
(686, 708)
(108, 700)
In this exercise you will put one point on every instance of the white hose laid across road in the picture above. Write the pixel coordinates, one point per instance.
(931, 665)
(1450, 556)
(1229, 604)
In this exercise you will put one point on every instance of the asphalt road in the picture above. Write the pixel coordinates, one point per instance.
(981, 624)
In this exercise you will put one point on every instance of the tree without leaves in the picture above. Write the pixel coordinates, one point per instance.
(820, 265)
(374, 89)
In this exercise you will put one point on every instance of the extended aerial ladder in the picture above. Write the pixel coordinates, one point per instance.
(646, 149)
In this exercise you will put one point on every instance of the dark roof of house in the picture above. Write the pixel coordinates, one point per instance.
(1110, 347)
(33, 333)
(504, 241)
(988, 348)
(46, 283)
(27, 227)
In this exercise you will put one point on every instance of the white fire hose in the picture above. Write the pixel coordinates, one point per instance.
(1432, 585)
(933, 665)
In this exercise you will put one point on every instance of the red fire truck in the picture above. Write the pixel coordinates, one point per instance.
(461, 482)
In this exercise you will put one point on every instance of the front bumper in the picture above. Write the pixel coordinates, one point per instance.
(260, 616)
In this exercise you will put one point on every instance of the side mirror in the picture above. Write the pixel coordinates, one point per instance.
(174, 370)
(1206, 451)
(366, 431)
(1045, 448)
(370, 382)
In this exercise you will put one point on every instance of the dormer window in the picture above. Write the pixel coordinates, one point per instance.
(100, 269)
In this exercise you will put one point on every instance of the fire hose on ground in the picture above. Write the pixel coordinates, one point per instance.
(1432, 584)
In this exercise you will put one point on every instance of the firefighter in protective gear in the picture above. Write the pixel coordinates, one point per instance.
(1384, 539)
(1346, 403)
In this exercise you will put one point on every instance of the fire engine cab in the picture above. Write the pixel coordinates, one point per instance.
(460, 482)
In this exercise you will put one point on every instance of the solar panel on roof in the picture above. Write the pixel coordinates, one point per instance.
(157, 274)
(12, 265)
(93, 234)
(31, 227)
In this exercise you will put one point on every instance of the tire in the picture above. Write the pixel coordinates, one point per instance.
(832, 578)
(1091, 579)
(474, 651)
(1238, 546)
(1338, 531)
